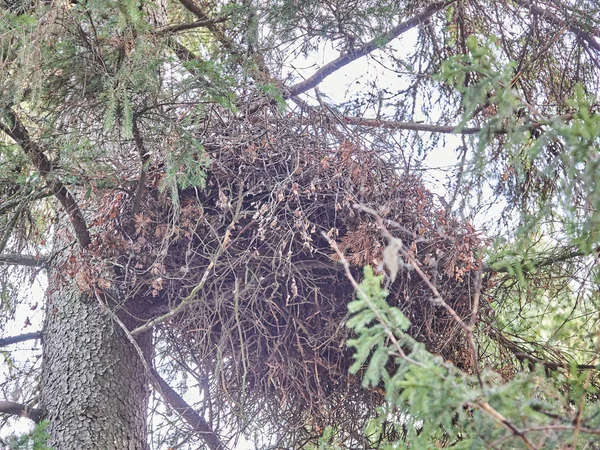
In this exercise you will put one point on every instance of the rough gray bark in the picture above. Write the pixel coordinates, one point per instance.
(94, 385)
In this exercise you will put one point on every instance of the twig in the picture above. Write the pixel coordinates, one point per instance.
(365, 297)
(191, 297)
(485, 407)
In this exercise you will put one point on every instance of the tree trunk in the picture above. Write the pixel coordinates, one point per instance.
(94, 385)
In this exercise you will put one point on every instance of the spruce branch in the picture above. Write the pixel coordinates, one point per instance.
(18, 133)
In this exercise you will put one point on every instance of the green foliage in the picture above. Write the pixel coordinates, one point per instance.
(433, 404)
(36, 439)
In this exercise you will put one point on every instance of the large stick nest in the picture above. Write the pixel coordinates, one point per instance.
(267, 327)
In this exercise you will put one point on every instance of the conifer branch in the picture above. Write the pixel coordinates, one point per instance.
(18, 133)
(196, 10)
(190, 25)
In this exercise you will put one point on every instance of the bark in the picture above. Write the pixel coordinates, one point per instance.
(94, 385)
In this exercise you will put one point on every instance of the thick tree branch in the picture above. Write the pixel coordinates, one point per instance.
(416, 126)
(10, 204)
(18, 409)
(555, 20)
(20, 338)
(369, 47)
(195, 420)
(190, 25)
(192, 7)
(16, 259)
(20, 135)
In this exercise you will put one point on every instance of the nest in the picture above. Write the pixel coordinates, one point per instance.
(267, 326)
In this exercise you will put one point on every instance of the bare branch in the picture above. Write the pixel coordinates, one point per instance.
(20, 338)
(18, 409)
(366, 49)
(195, 420)
(16, 259)
(416, 126)
(20, 135)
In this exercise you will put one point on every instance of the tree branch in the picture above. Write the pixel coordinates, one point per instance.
(195, 420)
(369, 47)
(191, 6)
(16, 259)
(190, 25)
(555, 20)
(561, 256)
(19, 201)
(18, 409)
(20, 338)
(20, 135)
(141, 184)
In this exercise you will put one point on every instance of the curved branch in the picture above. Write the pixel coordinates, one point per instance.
(18, 409)
(195, 420)
(8, 205)
(18, 133)
(369, 47)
